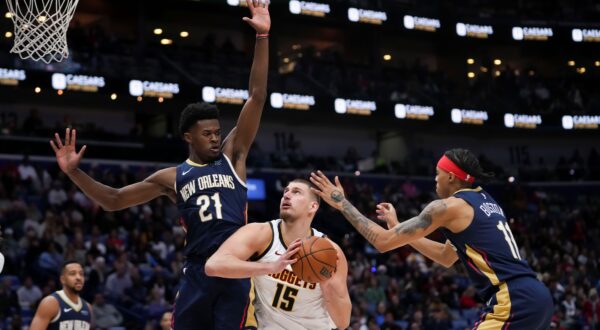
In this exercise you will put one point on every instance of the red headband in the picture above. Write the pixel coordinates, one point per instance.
(448, 165)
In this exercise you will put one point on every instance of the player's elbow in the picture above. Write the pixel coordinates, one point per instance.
(211, 268)
(111, 202)
(342, 321)
(385, 244)
(345, 322)
(112, 206)
(382, 248)
(108, 207)
(258, 95)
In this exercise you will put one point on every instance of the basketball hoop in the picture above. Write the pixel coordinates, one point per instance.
(41, 28)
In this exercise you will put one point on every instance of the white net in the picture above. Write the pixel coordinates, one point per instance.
(41, 28)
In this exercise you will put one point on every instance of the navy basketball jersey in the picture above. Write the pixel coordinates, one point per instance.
(71, 316)
(212, 202)
(487, 247)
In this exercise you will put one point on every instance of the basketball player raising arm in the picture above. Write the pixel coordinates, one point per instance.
(477, 233)
(209, 189)
(264, 251)
(200, 128)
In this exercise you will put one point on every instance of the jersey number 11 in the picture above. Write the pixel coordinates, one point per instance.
(510, 239)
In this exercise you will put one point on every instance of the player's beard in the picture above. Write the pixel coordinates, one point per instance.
(74, 289)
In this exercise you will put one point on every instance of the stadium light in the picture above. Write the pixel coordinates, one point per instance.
(113, 96)
(470, 61)
(8, 14)
(158, 31)
(184, 34)
(471, 75)
(581, 70)
(497, 62)
(8, 34)
(597, 63)
(166, 41)
(387, 57)
(497, 73)
(571, 63)
(484, 69)
(37, 90)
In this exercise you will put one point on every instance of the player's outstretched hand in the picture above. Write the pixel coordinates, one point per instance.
(287, 258)
(387, 212)
(260, 20)
(66, 156)
(330, 193)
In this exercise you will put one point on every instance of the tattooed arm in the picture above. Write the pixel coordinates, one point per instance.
(403, 233)
(432, 217)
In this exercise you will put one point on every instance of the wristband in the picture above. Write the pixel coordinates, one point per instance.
(262, 35)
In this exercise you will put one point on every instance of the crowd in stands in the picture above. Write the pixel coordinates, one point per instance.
(532, 9)
(133, 258)
(421, 162)
(218, 61)
(493, 88)
(289, 153)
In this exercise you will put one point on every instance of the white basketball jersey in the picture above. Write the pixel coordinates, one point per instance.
(283, 301)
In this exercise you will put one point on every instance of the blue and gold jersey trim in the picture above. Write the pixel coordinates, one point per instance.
(478, 189)
(497, 320)
(250, 321)
(191, 163)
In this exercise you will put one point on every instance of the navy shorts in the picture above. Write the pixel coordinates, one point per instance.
(520, 304)
(209, 303)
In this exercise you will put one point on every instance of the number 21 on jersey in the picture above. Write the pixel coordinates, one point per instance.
(204, 202)
(510, 239)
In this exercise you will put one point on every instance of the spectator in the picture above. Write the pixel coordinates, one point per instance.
(166, 321)
(105, 314)
(119, 281)
(57, 196)
(467, 300)
(591, 310)
(9, 301)
(29, 294)
(26, 171)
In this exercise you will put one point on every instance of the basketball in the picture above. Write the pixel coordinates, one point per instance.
(317, 260)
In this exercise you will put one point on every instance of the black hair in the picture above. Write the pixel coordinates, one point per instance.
(468, 162)
(69, 262)
(310, 185)
(194, 112)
